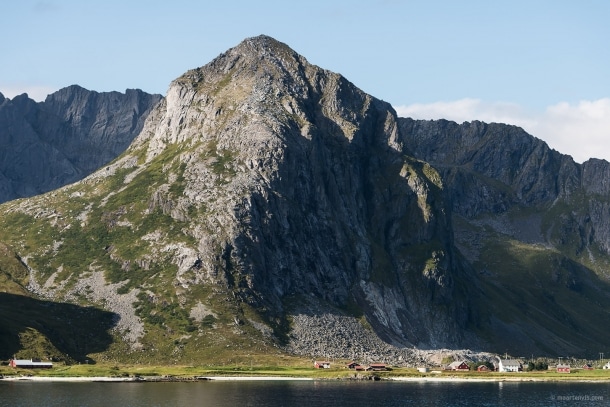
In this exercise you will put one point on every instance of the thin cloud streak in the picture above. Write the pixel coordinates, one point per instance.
(580, 130)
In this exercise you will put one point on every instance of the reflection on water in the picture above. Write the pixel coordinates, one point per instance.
(300, 393)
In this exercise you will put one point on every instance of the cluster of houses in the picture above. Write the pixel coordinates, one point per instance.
(501, 365)
(462, 366)
(512, 365)
(375, 367)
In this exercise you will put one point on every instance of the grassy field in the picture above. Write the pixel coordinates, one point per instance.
(300, 370)
(175, 371)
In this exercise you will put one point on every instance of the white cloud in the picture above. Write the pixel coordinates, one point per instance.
(581, 130)
(38, 93)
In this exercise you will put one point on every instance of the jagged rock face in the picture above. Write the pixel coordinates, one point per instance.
(532, 223)
(63, 139)
(307, 192)
(469, 155)
(484, 178)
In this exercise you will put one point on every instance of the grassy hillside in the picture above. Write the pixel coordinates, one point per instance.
(535, 298)
(119, 224)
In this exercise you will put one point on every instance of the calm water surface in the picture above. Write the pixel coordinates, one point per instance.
(300, 393)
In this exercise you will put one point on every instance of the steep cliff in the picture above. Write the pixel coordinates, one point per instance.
(321, 199)
(72, 133)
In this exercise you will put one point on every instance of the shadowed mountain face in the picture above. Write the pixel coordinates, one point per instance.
(72, 133)
(52, 330)
(533, 224)
(265, 194)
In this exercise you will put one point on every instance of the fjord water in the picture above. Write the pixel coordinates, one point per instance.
(300, 393)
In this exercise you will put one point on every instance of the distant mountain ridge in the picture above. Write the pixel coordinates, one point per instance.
(532, 223)
(268, 205)
(72, 133)
(528, 173)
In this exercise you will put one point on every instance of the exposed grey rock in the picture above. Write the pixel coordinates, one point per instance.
(491, 169)
(470, 153)
(72, 133)
(510, 191)
(311, 156)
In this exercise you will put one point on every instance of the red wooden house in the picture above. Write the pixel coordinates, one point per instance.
(459, 366)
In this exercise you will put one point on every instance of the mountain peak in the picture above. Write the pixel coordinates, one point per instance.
(262, 81)
(264, 43)
(256, 57)
(263, 47)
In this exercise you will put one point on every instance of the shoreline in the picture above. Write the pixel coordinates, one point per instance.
(492, 380)
(66, 379)
(155, 379)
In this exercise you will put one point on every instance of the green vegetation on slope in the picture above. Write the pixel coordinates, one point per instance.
(538, 295)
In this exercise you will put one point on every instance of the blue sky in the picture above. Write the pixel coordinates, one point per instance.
(540, 64)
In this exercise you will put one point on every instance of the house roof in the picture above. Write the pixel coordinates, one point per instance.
(509, 362)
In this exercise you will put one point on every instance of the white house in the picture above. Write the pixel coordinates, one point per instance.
(509, 365)
(607, 365)
(30, 364)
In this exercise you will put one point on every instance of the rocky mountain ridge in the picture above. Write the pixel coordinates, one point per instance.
(72, 133)
(529, 173)
(266, 197)
(538, 213)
